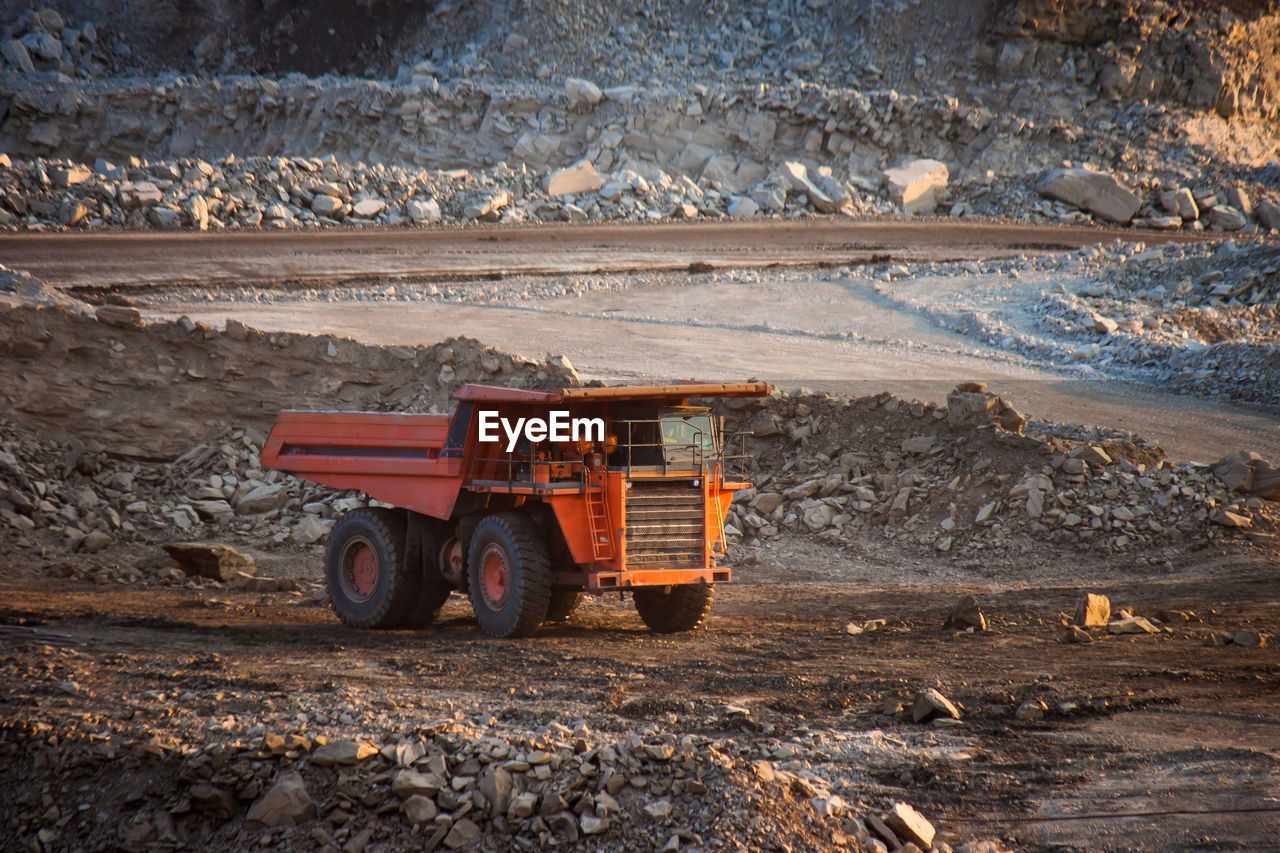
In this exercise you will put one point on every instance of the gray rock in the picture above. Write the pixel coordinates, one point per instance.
(368, 208)
(496, 784)
(44, 46)
(419, 809)
(208, 560)
(310, 529)
(1227, 518)
(139, 194)
(580, 91)
(929, 704)
(46, 21)
(1239, 199)
(421, 211)
(328, 205)
(488, 206)
(1227, 218)
(966, 614)
(1100, 193)
(198, 212)
(17, 55)
(164, 217)
(1132, 625)
(1076, 634)
(1247, 639)
(285, 804)
(581, 177)
(264, 498)
(910, 826)
(343, 752)
(72, 213)
(1268, 215)
(824, 193)
(741, 206)
(918, 186)
(463, 833)
(70, 176)
(406, 783)
(1030, 711)
(593, 824)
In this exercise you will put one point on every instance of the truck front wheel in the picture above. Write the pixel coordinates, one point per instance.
(668, 609)
(369, 584)
(509, 575)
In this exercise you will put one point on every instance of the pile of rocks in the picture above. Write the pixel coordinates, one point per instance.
(1103, 195)
(309, 193)
(966, 478)
(351, 777)
(46, 41)
(1203, 319)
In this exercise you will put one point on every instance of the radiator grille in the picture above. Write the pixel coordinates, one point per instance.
(665, 526)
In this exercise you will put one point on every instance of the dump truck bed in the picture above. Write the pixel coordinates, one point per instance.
(396, 458)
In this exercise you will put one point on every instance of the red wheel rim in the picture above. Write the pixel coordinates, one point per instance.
(360, 569)
(495, 577)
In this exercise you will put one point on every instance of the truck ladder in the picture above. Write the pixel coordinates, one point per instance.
(598, 517)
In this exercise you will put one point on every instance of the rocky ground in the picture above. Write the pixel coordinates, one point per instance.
(1166, 122)
(955, 624)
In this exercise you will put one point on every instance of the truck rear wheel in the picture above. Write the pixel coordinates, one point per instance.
(509, 575)
(422, 548)
(369, 584)
(668, 609)
(564, 600)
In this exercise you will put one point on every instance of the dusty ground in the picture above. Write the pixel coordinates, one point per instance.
(1166, 725)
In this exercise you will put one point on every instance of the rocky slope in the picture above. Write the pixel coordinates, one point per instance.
(475, 124)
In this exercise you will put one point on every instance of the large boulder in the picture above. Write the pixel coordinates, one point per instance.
(824, 192)
(210, 560)
(581, 177)
(918, 186)
(1092, 611)
(1099, 193)
(580, 91)
(1246, 471)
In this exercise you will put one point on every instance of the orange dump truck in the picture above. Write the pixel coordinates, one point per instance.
(524, 501)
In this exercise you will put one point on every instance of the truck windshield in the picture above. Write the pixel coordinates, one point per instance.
(687, 434)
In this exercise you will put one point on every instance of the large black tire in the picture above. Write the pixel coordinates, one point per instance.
(509, 575)
(564, 600)
(369, 582)
(668, 609)
(423, 548)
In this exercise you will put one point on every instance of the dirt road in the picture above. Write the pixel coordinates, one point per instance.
(130, 259)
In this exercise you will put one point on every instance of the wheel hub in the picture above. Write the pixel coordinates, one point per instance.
(360, 569)
(495, 577)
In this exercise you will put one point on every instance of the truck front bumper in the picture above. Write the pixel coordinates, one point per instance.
(655, 577)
